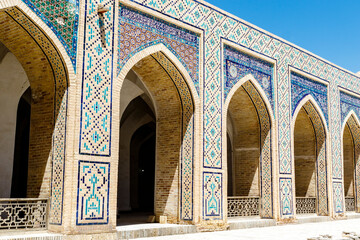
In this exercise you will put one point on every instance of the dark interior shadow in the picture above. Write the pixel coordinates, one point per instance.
(171, 124)
(46, 98)
(21, 151)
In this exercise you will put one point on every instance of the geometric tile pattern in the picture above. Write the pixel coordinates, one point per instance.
(355, 133)
(286, 198)
(216, 26)
(212, 198)
(347, 103)
(60, 100)
(95, 138)
(265, 155)
(93, 193)
(321, 162)
(138, 31)
(335, 124)
(238, 65)
(62, 18)
(302, 86)
(338, 197)
(187, 147)
(95, 128)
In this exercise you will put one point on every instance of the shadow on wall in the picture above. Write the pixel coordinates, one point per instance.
(305, 156)
(173, 116)
(21, 150)
(48, 100)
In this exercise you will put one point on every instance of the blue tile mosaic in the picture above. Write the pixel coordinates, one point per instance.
(93, 193)
(138, 31)
(238, 65)
(347, 103)
(302, 86)
(62, 17)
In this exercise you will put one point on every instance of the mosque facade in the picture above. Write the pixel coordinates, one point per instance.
(172, 110)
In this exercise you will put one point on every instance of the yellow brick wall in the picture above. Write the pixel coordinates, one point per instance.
(305, 156)
(168, 140)
(246, 145)
(40, 75)
(348, 151)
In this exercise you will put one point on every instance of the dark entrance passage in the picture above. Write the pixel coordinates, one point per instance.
(155, 166)
(136, 185)
(142, 162)
(21, 149)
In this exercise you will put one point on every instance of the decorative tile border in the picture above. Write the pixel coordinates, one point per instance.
(286, 197)
(212, 196)
(338, 197)
(93, 193)
(96, 98)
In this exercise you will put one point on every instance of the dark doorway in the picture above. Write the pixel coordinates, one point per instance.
(229, 166)
(21, 149)
(136, 186)
(142, 168)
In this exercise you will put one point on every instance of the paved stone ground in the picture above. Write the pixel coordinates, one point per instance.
(291, 231)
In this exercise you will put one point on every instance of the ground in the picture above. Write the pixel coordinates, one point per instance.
(290, 231)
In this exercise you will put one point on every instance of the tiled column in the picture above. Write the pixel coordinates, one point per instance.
(93, 181)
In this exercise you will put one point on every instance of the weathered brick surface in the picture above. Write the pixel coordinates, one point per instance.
(246, 145)
(40, 75)
(168, 141)
(305, 156)
(348, 151)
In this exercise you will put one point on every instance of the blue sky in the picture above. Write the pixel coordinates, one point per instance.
(327, 28)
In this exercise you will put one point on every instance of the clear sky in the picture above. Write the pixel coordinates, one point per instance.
(327, 28)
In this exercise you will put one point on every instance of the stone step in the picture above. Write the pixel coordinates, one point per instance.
(29, 235)
(153, 230)
(249, 222)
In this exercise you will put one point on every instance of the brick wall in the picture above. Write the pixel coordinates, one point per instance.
(168, 141)
(246, 145)
(305, 156)
(41, 80)
(348, 147)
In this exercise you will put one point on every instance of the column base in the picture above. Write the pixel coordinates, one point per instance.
(212, 226)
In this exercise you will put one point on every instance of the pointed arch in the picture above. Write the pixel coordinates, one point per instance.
(160, 57)
(266, 123)
(50, 73)
(259, 89)
(318, 122)
(351, 114)
(172, 58)
(352, 122)
(31, 19)
(306, 100)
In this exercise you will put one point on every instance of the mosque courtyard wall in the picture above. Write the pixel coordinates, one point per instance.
(174, 109)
